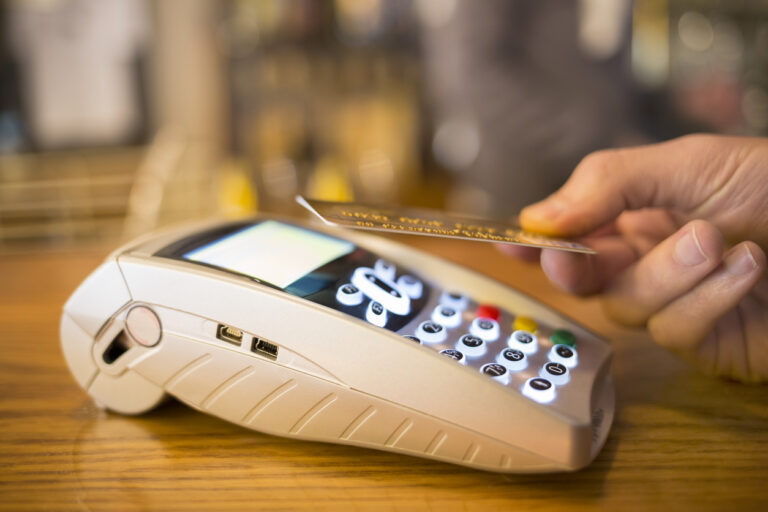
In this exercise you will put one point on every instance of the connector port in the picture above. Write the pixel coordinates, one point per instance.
(229, 334)
(119, 346)
(264, 348)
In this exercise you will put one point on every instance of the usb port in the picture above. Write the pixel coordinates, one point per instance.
(229, 334)
(264, 348)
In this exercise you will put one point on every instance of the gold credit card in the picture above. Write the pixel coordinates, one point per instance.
(422, 221)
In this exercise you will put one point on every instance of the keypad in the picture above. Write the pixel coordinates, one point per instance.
(471, 345)
(485, 328)
(381, 290)
(376, 314)
(524, 341)
(527, 357)
(564, 355)
(525, 323)
(539, 389)
(454, 354)
(411, 286)
(513, 359)
(385, 270)
(537, 361)
(454, 300)
(563, 337)
(488, 311)
(556, 373)
(349, 295)
(446, 316)
(431, 332)
(496, 371)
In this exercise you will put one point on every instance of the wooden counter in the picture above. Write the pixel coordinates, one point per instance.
(680, 441)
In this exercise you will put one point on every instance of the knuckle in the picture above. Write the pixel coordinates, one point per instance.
(622, 311)
(697, 141)
(664, 333)
(598, 164)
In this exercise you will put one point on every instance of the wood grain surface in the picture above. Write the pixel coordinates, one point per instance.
(680, 441)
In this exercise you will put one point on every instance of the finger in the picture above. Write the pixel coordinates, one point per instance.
(585, 274)
(687, 320)
(646, 228)
(754, 316)
(670, 270)
(650, 222)
(679, 174)
(520, 252)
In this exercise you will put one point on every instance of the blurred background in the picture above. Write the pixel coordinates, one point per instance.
(119, 116)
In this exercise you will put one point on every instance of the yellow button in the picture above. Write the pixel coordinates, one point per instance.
(524, 323)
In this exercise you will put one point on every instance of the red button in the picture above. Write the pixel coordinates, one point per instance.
(488, 311)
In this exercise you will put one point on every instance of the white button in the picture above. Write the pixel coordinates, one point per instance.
(539, 390)
(525, 341)
(564, 354)
(381, 290)
(515, 360)
(456, 355)
(485, 328)
(376, 314)
(385, 270)
(430, 332)
(349, 295)
(556, 373)
(454, 300)
(143, 326)
(447, 316)
(411, 286)
(471, 345)
(497, 371)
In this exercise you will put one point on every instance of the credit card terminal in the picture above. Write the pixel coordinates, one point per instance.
(335, 336)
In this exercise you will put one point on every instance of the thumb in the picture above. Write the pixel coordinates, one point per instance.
(679, 174)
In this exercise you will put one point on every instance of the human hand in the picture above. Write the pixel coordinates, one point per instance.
(681, 230)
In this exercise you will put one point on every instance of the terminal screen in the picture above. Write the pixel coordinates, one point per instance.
(272, 252)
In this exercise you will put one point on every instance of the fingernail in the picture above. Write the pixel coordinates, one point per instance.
(688, 251)
(549, 209)
(740, 262)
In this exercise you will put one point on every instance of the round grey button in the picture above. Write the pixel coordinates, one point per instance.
(144, 326)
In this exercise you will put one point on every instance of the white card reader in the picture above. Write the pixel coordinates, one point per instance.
(337, 336)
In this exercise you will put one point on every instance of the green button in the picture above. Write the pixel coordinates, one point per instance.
(563, 337)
